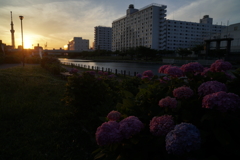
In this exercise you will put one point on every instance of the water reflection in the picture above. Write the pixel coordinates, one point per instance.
(120, 66)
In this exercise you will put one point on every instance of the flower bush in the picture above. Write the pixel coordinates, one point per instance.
(148, 73)
(188, 113)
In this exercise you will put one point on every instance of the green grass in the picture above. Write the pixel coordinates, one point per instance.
(34, 123)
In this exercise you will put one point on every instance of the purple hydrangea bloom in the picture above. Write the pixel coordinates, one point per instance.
(91, 72)
(112, 76)
(139, 75)
(168, 102)
(108, 133)
(114, 115)
(184, 138)
(130, 126)
(173, 71)
(160, 126)
(220, 65)
(148, 73)
(164, 80)
(192, 67)
(210, 87)
(205, 71)
(222, 101)
(73, 71)
(162, 68)
(183, 92)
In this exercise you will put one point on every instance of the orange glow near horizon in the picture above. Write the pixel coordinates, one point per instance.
(28, 44)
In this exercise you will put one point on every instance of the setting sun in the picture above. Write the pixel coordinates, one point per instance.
(27, 44)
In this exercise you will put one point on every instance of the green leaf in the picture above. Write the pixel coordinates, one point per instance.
(222, 136)
(99, 155)
(104, 119)
(128, 94)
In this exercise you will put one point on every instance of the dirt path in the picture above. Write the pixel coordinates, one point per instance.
(5, 66)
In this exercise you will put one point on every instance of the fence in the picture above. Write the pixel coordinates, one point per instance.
(109, 70)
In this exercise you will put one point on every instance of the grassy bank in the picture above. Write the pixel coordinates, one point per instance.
(34, 123)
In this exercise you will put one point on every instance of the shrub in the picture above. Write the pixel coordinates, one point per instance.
(51, 64)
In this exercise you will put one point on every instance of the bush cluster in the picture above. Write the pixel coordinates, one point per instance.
(190, 112)
(51, 64)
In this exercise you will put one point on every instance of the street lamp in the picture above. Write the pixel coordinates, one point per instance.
(21, 18)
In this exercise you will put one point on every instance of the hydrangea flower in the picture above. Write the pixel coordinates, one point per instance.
(130, 126)
(173, 71)
(210, 87)
(168, 102)
(184, 138)
(192, 67)
(112, 76)
(162, 68)
(205, 70)
(73, 71)
(160, 126)
(220, 65)
(183, 92)
(164, 80)
(222, 101)
(145, 78)
(139, 75)
(91, 72)
(114, 115)
(108, 133)
(148, 73)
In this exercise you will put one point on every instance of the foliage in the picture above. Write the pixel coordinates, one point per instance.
(92, 97)
(217, 128)
(33, 60)
(51, 64)
(34, 124)
(184, 52)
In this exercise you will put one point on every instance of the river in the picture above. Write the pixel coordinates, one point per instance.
(120, 66)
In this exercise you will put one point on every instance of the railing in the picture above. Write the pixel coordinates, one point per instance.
(109, 70)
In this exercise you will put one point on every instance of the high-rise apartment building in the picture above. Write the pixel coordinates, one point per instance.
(102, 38)
(77, 43)
(182, 34)
(149, 27)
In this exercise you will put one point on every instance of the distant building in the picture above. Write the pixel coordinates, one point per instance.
(149, 27)
(102, 38)
(182, 34)
(232, 31)
(77, 43)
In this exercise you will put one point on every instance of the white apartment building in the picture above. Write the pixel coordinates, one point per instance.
(231, 31)
(182, 34)
(102, 38)
(77, 43)
(149, 27)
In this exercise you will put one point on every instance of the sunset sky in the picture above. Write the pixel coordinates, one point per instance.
(55, 22)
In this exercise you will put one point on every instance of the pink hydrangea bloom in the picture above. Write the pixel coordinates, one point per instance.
(210, 87)
(192, 67)
(168, 102)
(221, 101)
(220, 65)
(108, 133)
(160, 126)
(173, 71)
(183, 92)
(139, 75)
(205, 70)
(112, 76)
(148, 73)
(145, 78)
(162, 68)
(130, 126)
(114, 115)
